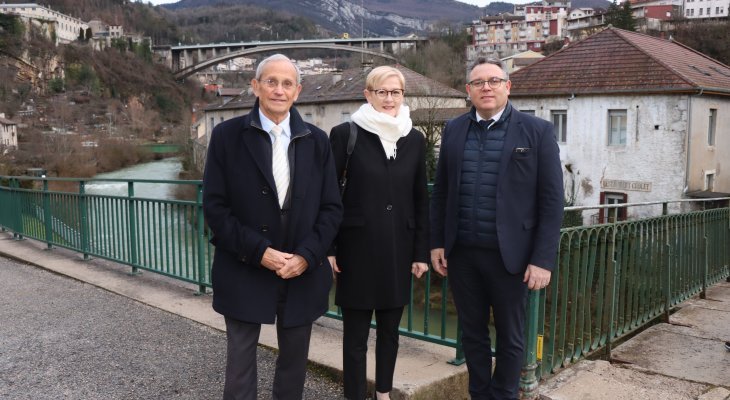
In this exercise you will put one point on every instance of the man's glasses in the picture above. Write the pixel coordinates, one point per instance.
(273, 83)
(494, 83)
(383, 94)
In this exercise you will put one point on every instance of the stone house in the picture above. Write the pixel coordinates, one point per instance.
(8, 133)
(638, 119)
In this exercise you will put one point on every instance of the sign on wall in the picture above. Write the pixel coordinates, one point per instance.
(617, 184)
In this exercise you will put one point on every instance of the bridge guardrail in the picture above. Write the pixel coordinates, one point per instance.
(611, 280)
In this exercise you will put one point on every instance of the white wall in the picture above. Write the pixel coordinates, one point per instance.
(67, 27)
(703, 158)
(8, 136)
(654, 153)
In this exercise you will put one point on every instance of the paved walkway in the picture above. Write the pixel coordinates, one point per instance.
(67, 338)
(422, 371)
(683, 360)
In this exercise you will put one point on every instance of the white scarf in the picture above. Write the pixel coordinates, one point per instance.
(389, 129)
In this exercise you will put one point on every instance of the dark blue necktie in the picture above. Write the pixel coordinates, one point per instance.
(485, 123)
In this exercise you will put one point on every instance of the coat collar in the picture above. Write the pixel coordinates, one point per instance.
(297, 125)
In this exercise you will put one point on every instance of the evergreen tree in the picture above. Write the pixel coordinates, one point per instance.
(621, 16)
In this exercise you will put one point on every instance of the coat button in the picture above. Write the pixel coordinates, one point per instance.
(264, 228)
(265, 190)
(389, 207)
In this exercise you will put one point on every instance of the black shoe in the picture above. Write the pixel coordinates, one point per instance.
(727, 346)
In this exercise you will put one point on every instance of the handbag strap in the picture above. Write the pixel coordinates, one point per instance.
(350, 147)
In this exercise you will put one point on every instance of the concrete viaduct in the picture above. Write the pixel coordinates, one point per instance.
(189, 59)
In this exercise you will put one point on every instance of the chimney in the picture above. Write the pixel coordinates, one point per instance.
(336, 76)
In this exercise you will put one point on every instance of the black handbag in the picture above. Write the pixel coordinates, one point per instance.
(350, 146)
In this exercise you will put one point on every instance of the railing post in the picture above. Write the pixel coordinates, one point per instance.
(18, 231)
(667, 281)
(614, 293)
(459, 358)
(706, 266)
(84, 217)
(201, 240)
(132, 223)
(528, 377)
(47, 217)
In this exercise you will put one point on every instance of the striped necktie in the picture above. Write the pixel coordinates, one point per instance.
(279, 165)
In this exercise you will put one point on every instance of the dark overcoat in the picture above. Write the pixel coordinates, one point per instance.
(385, 225)
(242, 210)
(529, 191)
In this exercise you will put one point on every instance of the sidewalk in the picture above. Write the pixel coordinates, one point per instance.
(683, 360)
(422, 371)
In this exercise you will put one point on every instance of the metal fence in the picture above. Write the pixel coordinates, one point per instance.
(611, 279)
(614, 279)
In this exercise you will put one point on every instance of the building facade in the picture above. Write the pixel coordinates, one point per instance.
(8, 133)
(67, 28)
(330, 99)
(529, 28)
(695, 9)
(637, 118)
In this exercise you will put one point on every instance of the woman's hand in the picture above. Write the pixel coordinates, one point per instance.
(335, 268)
(418, 268)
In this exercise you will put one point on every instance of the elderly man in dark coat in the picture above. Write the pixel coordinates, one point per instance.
(271, 199)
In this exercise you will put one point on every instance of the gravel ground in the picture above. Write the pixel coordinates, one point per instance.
(64, 339)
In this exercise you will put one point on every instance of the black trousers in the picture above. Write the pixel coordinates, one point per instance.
(479, 281)
(291, 364)
(356, 327)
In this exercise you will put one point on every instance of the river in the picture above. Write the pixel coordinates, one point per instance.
(165, 169)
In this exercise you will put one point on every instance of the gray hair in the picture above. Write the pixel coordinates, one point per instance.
(277, 57)
(487, 60)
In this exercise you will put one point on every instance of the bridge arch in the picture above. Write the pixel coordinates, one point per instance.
(187, 71)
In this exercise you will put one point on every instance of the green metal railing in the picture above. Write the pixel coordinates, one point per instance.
(163, 236)
(611, 280)
(616, 278)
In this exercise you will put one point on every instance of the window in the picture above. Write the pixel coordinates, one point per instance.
(560, 120)
(345, 117)
(531, 112)
(616, 127)
(212, 122)
(717, 10)
(308, 117)
(711, 127)
(701, 9)
(610, 215)
(710, 182)
(708, 10)
(686, 12)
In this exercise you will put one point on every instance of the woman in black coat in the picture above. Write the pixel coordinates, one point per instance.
(383, 238)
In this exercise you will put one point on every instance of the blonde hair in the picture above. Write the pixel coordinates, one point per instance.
(379, 74)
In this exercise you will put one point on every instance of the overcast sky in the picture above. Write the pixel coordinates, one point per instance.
(480, 3)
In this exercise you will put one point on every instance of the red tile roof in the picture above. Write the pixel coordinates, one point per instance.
(618, 61)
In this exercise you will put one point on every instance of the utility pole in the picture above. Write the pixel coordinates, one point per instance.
(362, 31)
